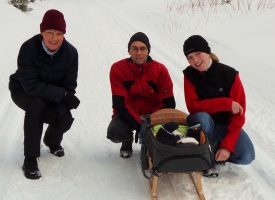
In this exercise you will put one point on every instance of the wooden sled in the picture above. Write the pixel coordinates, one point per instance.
(153, 182)
(158, 159)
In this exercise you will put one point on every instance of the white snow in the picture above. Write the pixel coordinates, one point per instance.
(100, 30)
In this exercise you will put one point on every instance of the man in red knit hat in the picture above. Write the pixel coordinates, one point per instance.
(44, 87)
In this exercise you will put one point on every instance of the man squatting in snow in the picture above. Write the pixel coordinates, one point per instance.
(140, 86)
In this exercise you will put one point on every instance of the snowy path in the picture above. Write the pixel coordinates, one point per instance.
(92, 169)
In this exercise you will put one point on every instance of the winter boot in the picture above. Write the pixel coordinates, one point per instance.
(211, 172)
(30, 168)
(221, 163)
(58, 151)
(126, 150)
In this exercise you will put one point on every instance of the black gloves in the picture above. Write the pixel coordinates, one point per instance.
(71, 101)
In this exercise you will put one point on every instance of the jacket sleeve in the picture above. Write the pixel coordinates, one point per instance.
(70, 80)
(165, 90)
(236, 121)
(29, 78)
(120, 98)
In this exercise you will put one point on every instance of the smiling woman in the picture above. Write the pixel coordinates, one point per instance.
(44, 86)
(215, 98)
(52, 39)
(53, 19)
(53, 28)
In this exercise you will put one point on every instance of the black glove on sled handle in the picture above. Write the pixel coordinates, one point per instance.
(70, 100)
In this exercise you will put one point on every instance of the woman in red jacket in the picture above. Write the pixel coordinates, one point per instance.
(140, 85)
(215, 98)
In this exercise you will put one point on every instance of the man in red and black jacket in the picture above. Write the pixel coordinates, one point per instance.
(140, 86)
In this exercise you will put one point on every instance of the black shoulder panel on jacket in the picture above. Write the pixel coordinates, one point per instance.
(128, 84)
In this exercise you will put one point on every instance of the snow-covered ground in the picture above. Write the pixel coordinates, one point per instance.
(100, 30)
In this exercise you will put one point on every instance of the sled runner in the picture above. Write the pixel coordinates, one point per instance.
(159, 159)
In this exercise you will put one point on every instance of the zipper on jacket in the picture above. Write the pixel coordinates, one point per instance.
(203, 75)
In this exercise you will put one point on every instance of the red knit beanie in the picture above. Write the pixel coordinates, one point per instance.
(53, 19)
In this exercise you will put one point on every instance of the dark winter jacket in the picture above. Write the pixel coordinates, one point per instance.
(139, 90)
(40, 74)
(213, 91)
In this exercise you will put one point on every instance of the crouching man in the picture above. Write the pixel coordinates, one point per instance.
(140, 85)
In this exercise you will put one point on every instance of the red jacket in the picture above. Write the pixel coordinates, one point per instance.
(139, 90)
(220, 104)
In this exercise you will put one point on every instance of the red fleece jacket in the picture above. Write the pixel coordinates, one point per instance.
(215, 105)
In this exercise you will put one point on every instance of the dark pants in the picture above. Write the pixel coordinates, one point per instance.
(118, 130)
(35, 116)
(244, 149)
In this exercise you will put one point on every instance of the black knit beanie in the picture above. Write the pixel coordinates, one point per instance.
(139, 36)
(196, 43)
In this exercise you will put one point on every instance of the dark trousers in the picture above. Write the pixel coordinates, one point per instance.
(118, 130)
(35, 116)
(244, 149)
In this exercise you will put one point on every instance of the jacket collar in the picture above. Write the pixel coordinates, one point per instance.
(149, 59)
(39, 39)
(139, 69)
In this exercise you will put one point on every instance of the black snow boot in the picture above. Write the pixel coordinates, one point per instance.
(126, 150)
(57, 151)
(211, 172)
(54, 149)
(30, 168)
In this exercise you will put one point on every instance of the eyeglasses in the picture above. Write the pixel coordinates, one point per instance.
(141, 49)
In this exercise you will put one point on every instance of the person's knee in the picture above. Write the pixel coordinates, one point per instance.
(114, 137)
(244, 149)
(119, 130)
(204, 119)
(199, 118)
(248, 157)
(36, 104)
(242, 156)
(118, 136)
(67, 121)
(62, 125)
